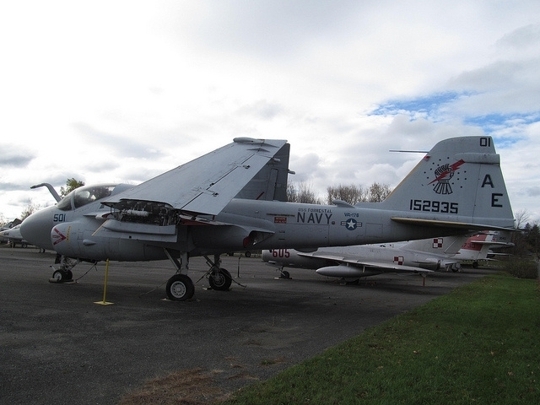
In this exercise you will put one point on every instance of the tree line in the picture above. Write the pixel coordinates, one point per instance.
(352, 194)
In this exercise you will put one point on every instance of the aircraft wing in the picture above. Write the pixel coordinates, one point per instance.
(379, 265)
(207, 184)
(493, 243)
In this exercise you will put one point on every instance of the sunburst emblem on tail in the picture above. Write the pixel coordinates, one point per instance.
(444, 173)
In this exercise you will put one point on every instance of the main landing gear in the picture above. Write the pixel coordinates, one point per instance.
(180, 287)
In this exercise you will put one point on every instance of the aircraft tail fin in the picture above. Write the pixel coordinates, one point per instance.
(270, 183)
(448, 245)
(459, 182)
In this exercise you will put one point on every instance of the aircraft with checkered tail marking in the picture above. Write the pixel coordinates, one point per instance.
(350, 263)
(230, 200)
(418, 256)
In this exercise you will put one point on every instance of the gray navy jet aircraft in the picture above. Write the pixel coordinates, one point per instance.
(233, 199)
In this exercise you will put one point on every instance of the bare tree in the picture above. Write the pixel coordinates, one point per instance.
(521, 217)
(354, 194)
(292, 193)
(351, 194)
(378, 192)
(29, 210)
(301, 194)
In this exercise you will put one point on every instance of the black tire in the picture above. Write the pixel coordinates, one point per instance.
(58, 276)
(247, 254)
(180, 288)
(220, 281)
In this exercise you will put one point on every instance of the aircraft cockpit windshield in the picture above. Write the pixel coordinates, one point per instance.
(85, 195)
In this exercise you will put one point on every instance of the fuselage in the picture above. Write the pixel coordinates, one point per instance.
(90, 232)
(296, 225)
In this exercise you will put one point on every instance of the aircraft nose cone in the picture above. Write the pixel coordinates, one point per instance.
(36, 229)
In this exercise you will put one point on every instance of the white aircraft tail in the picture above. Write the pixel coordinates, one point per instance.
(459, 183)
(448, 245)
(476, 247)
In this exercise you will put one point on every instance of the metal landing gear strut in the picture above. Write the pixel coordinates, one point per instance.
(219, 279)
(181, 288)
(63, 273)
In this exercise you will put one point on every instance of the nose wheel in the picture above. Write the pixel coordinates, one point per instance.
(61, 276)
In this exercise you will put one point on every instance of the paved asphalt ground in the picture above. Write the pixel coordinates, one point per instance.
(58, 347)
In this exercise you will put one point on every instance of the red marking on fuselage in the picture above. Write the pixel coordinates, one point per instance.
(57, 237)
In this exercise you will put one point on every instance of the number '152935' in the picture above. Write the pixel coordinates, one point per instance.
(434, 206)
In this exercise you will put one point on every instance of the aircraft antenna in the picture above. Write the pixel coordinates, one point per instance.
(409, 151)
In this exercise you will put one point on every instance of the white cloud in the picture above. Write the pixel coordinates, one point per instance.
(124, 90)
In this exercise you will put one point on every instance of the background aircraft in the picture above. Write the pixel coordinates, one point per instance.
(419, 256)
(479, 246)
(352, 262)
(192, 210)
(13, 236)
(8, 226)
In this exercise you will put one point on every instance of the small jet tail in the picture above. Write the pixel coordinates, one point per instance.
(478, 246)
(459, 183)
(447, 245)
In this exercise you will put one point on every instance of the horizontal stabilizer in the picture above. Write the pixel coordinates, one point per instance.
(447, 224)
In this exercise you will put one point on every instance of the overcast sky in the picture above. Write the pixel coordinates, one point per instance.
(120, 91)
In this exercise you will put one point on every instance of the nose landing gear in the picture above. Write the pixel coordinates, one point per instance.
(63, 274)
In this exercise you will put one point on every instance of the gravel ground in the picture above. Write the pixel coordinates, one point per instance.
(57, 346)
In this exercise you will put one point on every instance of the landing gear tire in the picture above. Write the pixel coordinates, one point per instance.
(57, 276)
(180, 288)
(61, 276)
(285, 274)
(220, 280)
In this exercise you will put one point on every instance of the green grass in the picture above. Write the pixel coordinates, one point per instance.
(479, 344)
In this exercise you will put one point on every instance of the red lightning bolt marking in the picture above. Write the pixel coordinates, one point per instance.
(58, 237)
(453, 167)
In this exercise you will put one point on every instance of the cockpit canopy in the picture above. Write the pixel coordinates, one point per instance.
(85, 195)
